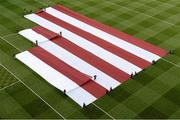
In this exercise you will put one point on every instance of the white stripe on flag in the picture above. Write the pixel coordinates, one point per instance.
(80, 96)
(56, 79)
(48, 73)
(105, 36)
(89, 46)
(77, 63)
(28, 33)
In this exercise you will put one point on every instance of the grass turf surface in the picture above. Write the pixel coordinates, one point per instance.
(154, 93)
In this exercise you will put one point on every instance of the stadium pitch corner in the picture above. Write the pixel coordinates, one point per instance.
(82, 57)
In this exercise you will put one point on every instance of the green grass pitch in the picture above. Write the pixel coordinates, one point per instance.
(154, 93)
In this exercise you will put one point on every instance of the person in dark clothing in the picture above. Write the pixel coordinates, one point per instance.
(60, 33)
(64, 91)
(36, 42)
(84, 105)
(111, 89)
(95, 76)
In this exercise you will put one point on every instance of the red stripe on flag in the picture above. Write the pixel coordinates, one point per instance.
(87, 56)
(140, 43)
(102, 43)
(73, 74)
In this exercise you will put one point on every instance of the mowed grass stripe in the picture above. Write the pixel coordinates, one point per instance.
(16, 12)
(19, 102)
(10, 108)
(134, 31)
(132, 10)
(31, 103)
(162, 13)
(6, 79)
(31, 90)
(16, 41)
(14, 100)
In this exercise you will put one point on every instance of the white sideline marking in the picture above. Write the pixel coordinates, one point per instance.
(144, 3)
(41, 2)
(104, 111)
(10, 44)
(160, 2)
(9, 85)
(144, 14)
(33, 91)
(171, 5)
(8, 35)
(171, 62)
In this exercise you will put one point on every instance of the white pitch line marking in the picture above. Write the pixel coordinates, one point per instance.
(9, 85)
(171, 5)
(171, 62)
(33, 92)
(104, 111)
(41, 2)
(8, 35)
(144, 14)
(10, 44)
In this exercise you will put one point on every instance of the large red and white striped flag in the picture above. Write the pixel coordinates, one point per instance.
(81, 56)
